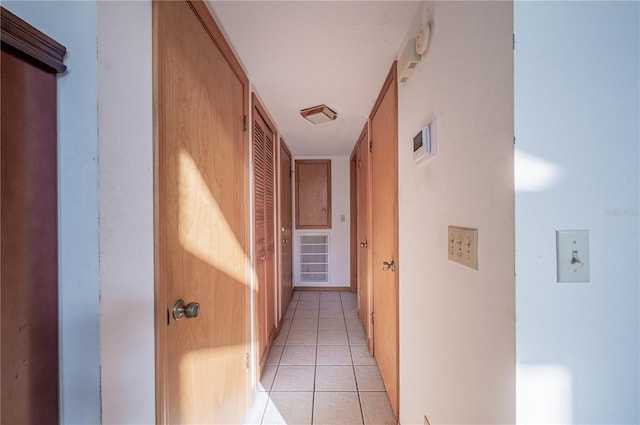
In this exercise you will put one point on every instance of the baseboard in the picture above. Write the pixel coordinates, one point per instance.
(322, 288)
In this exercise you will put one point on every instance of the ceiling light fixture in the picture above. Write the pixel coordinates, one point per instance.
(319, 114)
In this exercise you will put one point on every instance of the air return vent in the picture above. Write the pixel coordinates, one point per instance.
(314, 258)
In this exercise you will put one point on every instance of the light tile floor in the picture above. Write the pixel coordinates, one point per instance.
(319, 370)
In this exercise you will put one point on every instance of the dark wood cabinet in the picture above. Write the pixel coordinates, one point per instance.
(29, 223)
(313, 194)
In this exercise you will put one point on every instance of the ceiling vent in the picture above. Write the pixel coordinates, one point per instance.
(319, 114)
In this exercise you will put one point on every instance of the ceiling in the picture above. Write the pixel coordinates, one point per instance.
(300, 54)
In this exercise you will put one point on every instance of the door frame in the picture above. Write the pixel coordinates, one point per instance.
(353, 220)
(203, 14)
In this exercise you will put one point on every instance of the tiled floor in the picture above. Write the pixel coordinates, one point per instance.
(319, 370)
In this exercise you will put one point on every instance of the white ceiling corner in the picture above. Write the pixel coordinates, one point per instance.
(300, 54)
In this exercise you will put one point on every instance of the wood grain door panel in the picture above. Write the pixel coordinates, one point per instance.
(286, 231)
(384, 244)
(313, 194)
(264, 222)
(202, 219)
(363, 238)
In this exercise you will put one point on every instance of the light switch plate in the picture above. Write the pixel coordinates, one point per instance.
(463, 246)
(572, 251)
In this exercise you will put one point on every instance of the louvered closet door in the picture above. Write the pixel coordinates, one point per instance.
(263, 162)
(270, 217)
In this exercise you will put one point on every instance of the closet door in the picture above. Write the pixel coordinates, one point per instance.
(203, 303)
(264, 216)
(384, 265)
(286, 234)
(363, 232)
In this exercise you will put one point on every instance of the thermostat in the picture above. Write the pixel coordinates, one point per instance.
(424, 143)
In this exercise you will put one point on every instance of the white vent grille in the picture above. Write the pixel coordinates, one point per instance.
(314, 258)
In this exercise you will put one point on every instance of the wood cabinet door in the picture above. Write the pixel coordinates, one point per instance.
(313, 194)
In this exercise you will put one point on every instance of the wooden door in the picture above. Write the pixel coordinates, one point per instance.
(29, 223)
(313, 194)
(353, 222)
(264, 221)
(363, 238)
(202, 219)
(384, 244)
(286, 230)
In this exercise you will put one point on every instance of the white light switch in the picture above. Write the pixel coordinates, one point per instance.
(572, 250)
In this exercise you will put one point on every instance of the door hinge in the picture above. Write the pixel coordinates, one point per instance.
(246, 360)
(244, 123)
(372, 318)
(514, 140)
(168, 317)
(370, 145)
(359, 163)
(514, 41)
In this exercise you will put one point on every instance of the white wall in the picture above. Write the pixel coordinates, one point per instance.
(73, 24)
(126, 212)
(577, 113)
(457, 330)
(339, 234)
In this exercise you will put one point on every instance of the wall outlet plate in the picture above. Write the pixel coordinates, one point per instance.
(572, 251)
(463, 246)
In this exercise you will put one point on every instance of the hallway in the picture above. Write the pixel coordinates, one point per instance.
(319, 369)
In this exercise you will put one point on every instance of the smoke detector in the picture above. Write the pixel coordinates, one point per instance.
(422, 39)
(319, 114)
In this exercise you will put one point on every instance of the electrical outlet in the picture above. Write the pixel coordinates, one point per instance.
(463, 246)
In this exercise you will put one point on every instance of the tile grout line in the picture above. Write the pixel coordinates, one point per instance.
(277, 368)
(264, 412)
(315, 365)
(298, 309)
(353, 366)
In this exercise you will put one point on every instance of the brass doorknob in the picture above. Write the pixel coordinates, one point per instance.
(389, 266)
(364, 244)
(190, 311)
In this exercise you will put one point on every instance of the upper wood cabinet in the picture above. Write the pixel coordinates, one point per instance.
(313, 194)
